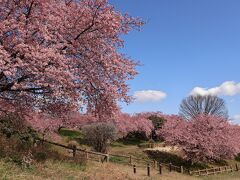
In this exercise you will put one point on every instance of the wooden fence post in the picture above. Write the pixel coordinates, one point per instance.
(237, 168)
(148, 170)
(87, 155)
(130, 159)
(107, 158)
(190, 172)
(160, 168)
(170, 167)
(182, 170)
(134, 169)
(74, 149)
(155, 164)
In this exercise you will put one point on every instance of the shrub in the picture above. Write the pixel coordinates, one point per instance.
(135, 138)
(40, 156)
(15, 158)
(13, 145)
(100, 135)
(2, 153)
(13, 125)
(16, 151)
(237, 158)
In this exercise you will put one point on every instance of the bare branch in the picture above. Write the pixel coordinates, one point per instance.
(193, 106)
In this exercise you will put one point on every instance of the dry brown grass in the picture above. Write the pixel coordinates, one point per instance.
(57, 170)
(59, 166)
(121, 172)
(129, 150)
(94, 171)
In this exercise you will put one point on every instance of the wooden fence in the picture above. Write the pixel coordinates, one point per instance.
(90, 155)
(216, 170)
(131, 160)
(95, 156)
(159, 167)
(139, 162)
(172, 167)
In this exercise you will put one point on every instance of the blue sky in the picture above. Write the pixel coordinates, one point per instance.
(184, 44)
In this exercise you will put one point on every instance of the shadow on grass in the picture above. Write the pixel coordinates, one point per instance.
(165, 157)
(131, 142)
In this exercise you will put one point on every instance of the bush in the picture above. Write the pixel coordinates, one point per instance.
(136, 136)
(16, 151)
(40, 156)
(13, 125)
(237, 158)
(17, 159)
(100, 136)
(2, 154)
(14, 145)
(24, 160)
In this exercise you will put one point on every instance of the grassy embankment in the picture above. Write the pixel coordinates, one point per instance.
(57, 168)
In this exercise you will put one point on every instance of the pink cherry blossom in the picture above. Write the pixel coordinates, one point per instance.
(204, 138)
(60, 51)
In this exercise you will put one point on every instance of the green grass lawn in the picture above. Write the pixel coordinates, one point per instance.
(70, 133)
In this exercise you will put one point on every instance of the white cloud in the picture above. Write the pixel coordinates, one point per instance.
(228, 88)
(149, 96)
(237, 117)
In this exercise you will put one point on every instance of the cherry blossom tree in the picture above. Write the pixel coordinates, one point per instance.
(124, 122)
(205, 138)
(64, 52)
(127, 123)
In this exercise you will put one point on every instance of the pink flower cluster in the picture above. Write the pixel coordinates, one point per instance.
(64, 51)
(127, 123)
(124, 122)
